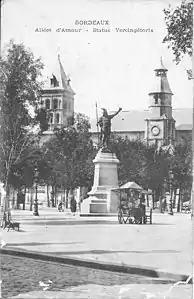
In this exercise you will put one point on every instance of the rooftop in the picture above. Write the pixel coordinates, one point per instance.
(134, 120)
(58, 80)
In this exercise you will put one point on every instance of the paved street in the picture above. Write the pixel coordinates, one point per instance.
(164, 245)
(22, 275)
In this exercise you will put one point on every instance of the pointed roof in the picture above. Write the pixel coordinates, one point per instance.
(128, 185)
(60, 78)
(131, 185)
(161, 84)
(64, 79)
(63, 75)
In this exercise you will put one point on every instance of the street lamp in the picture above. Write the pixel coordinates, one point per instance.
(171, 200)
(36, 176)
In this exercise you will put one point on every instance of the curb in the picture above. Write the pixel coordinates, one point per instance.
(99, 215)
(120, 268)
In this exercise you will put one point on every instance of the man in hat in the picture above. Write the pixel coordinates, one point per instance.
(105, 126)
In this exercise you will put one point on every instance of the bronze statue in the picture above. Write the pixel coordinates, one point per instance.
(105, 126)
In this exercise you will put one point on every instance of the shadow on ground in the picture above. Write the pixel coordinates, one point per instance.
(39, 243)
(79, 252)
(77, 222)
(95, 251)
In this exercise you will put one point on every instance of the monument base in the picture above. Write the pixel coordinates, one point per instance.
(94, 205)
(102, 200)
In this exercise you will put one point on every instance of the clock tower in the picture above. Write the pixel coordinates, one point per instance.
(160, 125)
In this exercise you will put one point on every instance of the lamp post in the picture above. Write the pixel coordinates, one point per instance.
(171, 200)
(36, 176)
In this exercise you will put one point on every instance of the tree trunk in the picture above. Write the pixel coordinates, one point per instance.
(181, 199)
(52, 197)
(6, 198)
(67, 194)
(64, 196)
(147, 198)
(31, 198)
(13, 200)
(174, 198)
(153, 199)
(160, 204)
(179, 202)
(24, 198)
(55, 197)
(47, 194)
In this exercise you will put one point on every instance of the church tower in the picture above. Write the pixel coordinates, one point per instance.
(58, 99)
(160, 126)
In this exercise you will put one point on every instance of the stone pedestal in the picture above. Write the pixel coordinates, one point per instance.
(101, 199)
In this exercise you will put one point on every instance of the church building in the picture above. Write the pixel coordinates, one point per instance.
(160, 124)
(58, 99)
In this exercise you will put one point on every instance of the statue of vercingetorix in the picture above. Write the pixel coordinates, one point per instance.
(105, 126)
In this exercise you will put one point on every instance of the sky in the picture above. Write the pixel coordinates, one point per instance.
(114, 69)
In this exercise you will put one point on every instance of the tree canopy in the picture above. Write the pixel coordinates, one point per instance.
(179, 23)
(69, 155)
(20, 89)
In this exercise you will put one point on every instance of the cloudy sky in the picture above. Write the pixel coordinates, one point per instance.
(113, 68)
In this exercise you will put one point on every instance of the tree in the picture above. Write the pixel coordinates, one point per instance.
(132, 161)
(179, 22)
(69, 155)
(179, 36)
(20, 91)
(156, 172)
(181, 165)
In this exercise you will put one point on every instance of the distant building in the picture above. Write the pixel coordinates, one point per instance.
(160, 124)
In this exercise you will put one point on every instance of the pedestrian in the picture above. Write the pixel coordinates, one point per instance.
(60, 206)
(163, 204)
(73, 205)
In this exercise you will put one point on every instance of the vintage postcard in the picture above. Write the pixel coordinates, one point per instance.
(96, 123)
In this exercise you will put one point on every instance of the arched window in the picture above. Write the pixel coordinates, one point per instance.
(47, 104)
(156, 97)
(57, 118)
(55, 104)
(51, 118)
(59, 104)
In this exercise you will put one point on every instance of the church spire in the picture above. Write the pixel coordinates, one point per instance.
(63, 75)
(64, 79)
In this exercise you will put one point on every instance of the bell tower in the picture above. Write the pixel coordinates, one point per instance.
(160, 125)
(58, 98)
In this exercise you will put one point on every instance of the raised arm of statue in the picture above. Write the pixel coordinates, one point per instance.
(114, 114)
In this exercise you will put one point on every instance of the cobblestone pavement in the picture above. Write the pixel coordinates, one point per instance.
(22, 275)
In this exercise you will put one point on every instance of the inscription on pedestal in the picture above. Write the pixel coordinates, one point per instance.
(102, 196)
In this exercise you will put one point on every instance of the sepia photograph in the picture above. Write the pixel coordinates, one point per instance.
(96, 149)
